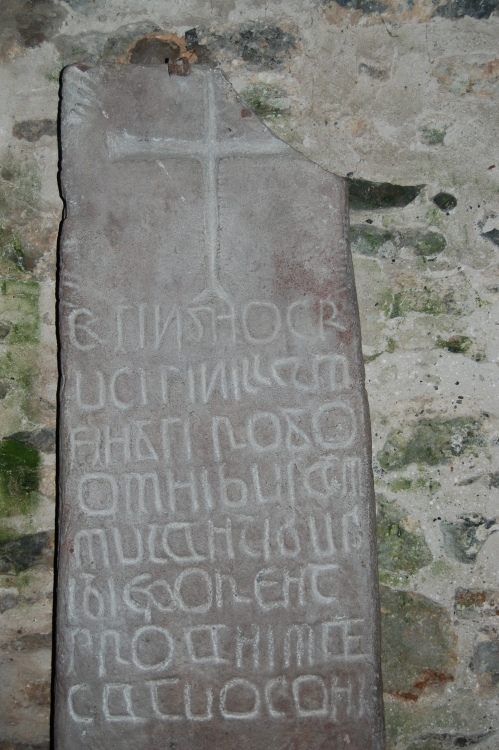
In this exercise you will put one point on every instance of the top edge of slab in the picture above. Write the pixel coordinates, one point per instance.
(78, 93)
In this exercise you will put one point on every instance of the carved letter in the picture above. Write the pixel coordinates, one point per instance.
(273, 322)
(162, 643)
(201, 575)
(206, 640)
(73, 690)
(239, 683)
(154, 686)
(317, 684)
(80, 334)
(334, 425)
(89, 536)
(98, 494)
(184, 532)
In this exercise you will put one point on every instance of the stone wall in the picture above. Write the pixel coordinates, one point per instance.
(399, 96)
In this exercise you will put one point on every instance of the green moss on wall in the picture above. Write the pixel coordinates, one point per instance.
(421, 483)
(403, 483)
(367, 239)
(430, 442)
(464, 537)
(7, 533)
(19, 309)
(400, 549)
(432, 136)
(429, 243)
(20, 466)
(455, 344)
(418, 643)
(264, 100)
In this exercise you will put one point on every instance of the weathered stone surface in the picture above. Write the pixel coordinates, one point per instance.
(30, 642)
(485, 659)
(259, 44)
(473, 602)
(401, 545)
(366, 194)
(43, 440)
(8, 599)
(20, 554)
(217, 578)
(473, 8)
(445, 201)
(430, 442)
(463, 538)
(418, 644)
(27, 23)
(33, 130)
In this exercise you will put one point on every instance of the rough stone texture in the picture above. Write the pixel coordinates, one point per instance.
(418, 643)
(8, 599)
(402, 94)
(476, 602)
(33, 130)
(212, 412)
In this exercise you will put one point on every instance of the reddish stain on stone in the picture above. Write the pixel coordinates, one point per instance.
(466, 598)
(245, 112)
(38, 692)
(490, 69)
(294, 275)
(429, 678)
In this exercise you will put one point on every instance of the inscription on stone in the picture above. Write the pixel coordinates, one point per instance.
(217, 580)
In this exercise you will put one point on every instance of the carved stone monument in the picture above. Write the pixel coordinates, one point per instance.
(217, 575)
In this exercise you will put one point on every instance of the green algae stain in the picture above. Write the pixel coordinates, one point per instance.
(421, 300)
(12, 249)
(421, 483)
(371, 357)
(456, 344)
(19, 308)
(367, 240)
(265, 100)
(400, 549)
(390, 303)
(20, 466)
(403, 483)
(418, 644)
(20, 184)
(432, 136)
(430, 442)
(7, 534)
(463, 538)
(20, 213)
(429, 243)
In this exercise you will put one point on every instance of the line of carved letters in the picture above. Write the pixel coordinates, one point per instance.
(175, 494)
(318, 536)
(172, 699)
(249, 648)
(146, 326)
(179, 508)
(195, 590)
(329, 427)
(168, 384)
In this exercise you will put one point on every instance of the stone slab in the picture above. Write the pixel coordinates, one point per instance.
(217, 575)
